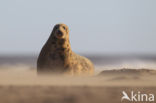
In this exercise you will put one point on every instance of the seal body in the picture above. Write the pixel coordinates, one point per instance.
(57, 56)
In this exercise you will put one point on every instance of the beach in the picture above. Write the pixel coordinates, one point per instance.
(19, 83)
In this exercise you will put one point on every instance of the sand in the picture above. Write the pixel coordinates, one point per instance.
(25, 86)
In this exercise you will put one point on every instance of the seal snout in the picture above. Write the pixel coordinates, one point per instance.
(59, 33)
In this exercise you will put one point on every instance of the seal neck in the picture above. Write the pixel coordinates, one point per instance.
(61, 45)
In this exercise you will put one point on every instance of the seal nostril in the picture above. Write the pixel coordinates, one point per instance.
(59, 32)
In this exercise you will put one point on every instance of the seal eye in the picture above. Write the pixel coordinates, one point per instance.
(64, 28)
(57, 27)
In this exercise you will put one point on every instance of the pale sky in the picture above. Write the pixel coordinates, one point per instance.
(96, 26)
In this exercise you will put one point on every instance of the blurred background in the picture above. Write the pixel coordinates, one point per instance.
(109, 32)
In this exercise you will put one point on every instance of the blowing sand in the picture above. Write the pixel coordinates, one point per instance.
(24, 86)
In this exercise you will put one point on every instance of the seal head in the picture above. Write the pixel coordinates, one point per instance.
(61, 31)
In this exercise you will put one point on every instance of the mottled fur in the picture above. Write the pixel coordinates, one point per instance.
(56, 55)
